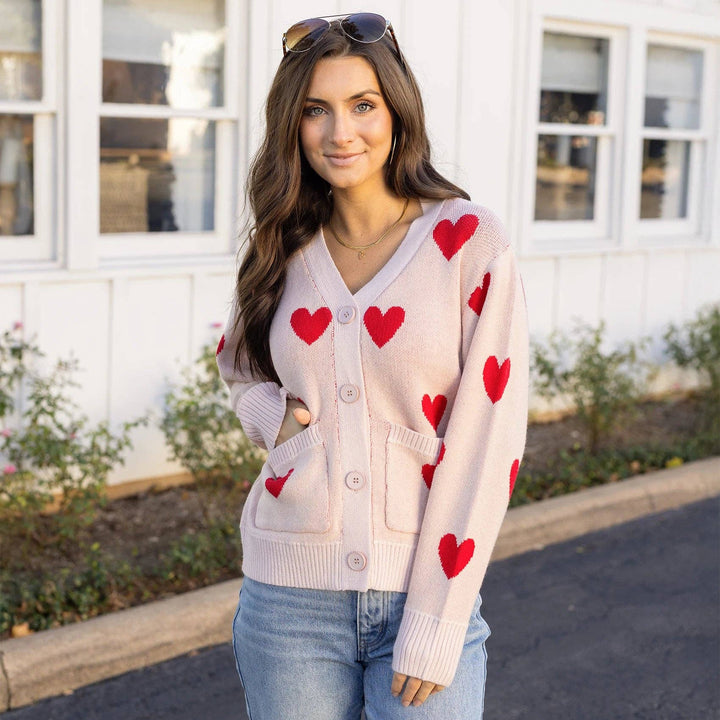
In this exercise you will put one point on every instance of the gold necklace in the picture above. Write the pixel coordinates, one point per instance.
(362, 248)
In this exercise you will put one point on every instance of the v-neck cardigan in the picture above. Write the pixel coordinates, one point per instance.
(417, 387)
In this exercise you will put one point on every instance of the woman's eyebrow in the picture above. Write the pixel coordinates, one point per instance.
(352, 97)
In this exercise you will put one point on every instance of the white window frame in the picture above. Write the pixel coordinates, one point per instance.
(41, 246)
(632, 26)
(654, 231)
(87, 247)
(579, 234)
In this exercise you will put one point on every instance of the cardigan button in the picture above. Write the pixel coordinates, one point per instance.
(356, 561)
(354, 480)
(346, 314)
(349, 393)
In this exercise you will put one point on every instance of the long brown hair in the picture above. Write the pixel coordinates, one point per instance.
(290, 201)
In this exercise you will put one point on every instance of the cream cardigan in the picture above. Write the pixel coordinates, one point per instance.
(417, 387)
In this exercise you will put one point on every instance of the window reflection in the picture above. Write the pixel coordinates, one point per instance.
(16, 175)
(159, 53)
(673, 87)
(20, 50)
(565, 185)
(573, 85)
(156, 175)
(664, 181)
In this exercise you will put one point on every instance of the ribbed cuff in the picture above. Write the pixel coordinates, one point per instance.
(428, 648)
(261, 411)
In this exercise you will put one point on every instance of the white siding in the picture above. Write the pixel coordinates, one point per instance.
(622, 295)
(71, 321)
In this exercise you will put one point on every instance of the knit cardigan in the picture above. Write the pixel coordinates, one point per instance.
(417, 387)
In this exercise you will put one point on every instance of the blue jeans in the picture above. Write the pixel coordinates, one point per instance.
(326, 655)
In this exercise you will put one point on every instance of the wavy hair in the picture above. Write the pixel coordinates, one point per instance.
(290, 201)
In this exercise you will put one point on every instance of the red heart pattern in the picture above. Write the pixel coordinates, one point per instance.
(383, 326)
(220, 346)
(477, 299)
(495, 377)
(428, 470)
(451, 237)
(309, 327)
(434, 408)
(453, 557)
(513, 474)
(275, 485)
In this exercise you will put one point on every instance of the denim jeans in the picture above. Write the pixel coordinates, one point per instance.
(326, 655)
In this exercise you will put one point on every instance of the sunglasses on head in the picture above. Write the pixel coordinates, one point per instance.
(361, 27)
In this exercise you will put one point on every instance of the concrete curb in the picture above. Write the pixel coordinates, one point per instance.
(57, 661)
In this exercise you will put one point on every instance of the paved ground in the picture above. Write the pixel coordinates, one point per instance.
(622, 624)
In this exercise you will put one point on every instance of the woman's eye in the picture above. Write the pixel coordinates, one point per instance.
(314, 111)
(364, 106)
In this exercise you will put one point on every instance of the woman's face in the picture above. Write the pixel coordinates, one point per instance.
(346, 126)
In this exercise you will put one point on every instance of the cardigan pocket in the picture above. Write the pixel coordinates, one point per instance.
(295, 497)
(410, 460)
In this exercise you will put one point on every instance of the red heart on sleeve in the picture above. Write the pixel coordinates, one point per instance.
(495, 377)
(454, 557)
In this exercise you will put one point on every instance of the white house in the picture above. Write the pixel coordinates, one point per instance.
(126, 126)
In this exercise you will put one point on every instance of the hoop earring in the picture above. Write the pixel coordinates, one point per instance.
(392, 152)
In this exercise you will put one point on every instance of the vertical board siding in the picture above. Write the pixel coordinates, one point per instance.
(622, 296)
(484, 110)
(432, 44)
(11, 306)
(703, 279)
(578, 289)
(664, 294)
(73, 324)
(151, 326)
(539, 283)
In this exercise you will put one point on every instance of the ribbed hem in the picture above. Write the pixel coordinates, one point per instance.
(292, 564)
(321, 565)
(428, 648)
(261, 411)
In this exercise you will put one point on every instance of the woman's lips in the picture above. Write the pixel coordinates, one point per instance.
(343, 160)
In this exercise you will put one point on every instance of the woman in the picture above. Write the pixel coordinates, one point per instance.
(377, 348)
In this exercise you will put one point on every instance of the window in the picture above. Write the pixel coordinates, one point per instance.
(21, 93)
(162, 76)
(573, 111)
(672, 117)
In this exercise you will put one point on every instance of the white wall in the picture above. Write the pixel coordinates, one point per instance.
(131, 328)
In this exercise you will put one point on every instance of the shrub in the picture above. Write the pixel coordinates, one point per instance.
(97, 584)
(50, 454)
(696, 345)
(202, 556)
(204, 434)
(603, 386)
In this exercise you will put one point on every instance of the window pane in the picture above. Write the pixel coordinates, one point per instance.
(20, 50)
(573, 84)
(673, 87)
(161, 53)
(157, 175)
(16, 175)
(664, 185)
(565, 187)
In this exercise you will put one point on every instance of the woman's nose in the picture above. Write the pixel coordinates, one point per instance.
(342, 130)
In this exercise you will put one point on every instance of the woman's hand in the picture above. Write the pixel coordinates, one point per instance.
(296, 419)
(416, 691)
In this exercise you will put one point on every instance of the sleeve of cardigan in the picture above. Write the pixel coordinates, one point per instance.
(260, 406)
(483, 445)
